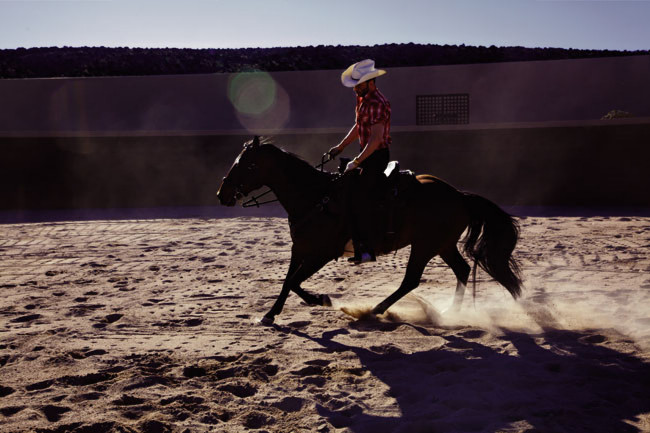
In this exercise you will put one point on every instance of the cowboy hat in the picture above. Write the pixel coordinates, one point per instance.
(360, 72)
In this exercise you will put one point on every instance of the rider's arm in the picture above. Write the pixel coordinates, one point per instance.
(376, 137)
(353, 135)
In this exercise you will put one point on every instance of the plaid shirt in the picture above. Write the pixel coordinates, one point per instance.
(371, 109)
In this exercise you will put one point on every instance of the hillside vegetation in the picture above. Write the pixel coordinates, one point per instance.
(103, 61)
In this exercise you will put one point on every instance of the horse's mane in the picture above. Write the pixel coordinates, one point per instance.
(297, 162)
(262, 140)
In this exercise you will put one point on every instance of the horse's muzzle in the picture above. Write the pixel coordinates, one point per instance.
(226, 199)
(229, 203)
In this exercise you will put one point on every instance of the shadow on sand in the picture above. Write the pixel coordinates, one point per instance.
(570, 384)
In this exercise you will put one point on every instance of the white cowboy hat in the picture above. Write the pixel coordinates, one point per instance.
(360, 72)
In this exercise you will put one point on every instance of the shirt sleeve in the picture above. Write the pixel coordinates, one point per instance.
(378, 112)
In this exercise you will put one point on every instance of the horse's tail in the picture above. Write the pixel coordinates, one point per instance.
(491, 238)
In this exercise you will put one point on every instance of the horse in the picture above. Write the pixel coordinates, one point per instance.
(431, 219)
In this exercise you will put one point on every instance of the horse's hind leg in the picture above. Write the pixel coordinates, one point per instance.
(416, 264)
(461, 269)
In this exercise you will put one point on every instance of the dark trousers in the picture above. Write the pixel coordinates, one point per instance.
(368, 189)
(376, 163)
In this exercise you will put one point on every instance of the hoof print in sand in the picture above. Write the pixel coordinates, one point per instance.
(311, 370)
(185, 400)
(59, 398)
(317, 381)
(210, 419)
(76, 354)
(239, 390)
(88, 379)
(193, 322)
(339, 418)
(111, 318)
(83, 310)
(6, 390)
(86, 397)
(146, 382)
(10, 410)
(290, 404)
(25, 319)
(214, 417)
(39, 385)
(152, 426)
(194, 371)
(54, 413)
(257, 420)
(127, 400)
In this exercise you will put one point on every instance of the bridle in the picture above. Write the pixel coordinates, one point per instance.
(238, 188)
(253, 201)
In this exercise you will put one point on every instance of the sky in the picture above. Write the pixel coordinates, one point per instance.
(582, 24)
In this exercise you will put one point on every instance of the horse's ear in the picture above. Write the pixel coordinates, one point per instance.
(256, 141)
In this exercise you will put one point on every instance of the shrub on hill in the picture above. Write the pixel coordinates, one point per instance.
(103, 61)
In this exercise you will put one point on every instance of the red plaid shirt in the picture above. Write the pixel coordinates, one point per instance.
(372, 109)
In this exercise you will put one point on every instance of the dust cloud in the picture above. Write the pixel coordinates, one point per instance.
(497, 313)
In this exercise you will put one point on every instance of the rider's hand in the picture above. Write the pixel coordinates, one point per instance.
(334, 151)
(352, 165)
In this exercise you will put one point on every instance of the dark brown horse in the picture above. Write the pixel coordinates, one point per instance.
(431, 217)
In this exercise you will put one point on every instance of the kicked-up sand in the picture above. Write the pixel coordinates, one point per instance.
(151, 326)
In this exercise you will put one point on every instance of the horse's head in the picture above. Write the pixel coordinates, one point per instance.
(244, 175)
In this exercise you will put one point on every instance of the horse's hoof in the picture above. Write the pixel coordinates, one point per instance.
(325, 301)
(266, 321)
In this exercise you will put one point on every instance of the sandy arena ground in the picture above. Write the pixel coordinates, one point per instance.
(150, 326)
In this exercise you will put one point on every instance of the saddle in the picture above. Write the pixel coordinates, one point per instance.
(399, 181)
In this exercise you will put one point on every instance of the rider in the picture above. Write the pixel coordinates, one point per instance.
(372, 129)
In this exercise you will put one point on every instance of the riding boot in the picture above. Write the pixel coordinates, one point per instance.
(363, 236)
(362, 254)
(372, 212)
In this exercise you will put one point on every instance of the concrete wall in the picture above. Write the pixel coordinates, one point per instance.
(603, 165)
(168, 140)
(530, 91)
(499, 93)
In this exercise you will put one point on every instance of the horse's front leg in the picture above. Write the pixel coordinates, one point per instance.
(300, 269)
(311, 299)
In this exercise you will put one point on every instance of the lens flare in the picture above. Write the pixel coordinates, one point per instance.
(260, 103)
(252, 92)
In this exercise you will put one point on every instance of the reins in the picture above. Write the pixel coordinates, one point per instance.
(253, 201)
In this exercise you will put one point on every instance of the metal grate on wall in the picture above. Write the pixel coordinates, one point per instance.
(451, 109)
